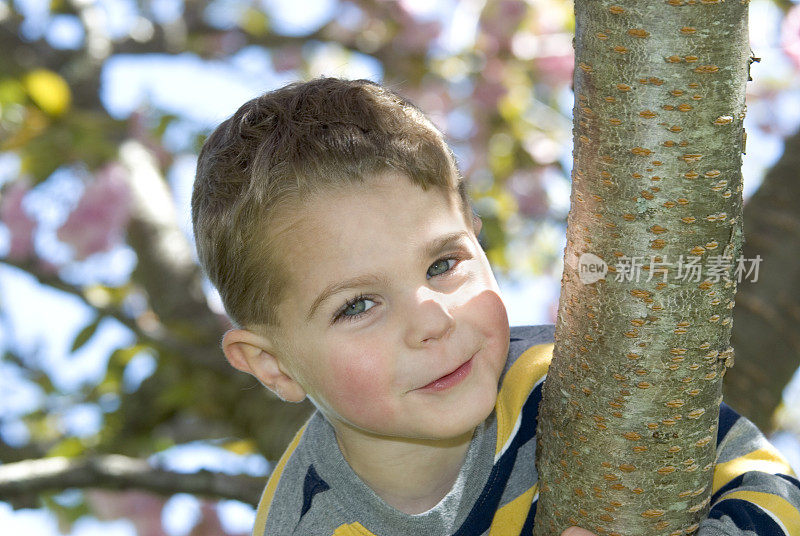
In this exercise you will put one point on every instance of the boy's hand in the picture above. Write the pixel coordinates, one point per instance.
(577, 531)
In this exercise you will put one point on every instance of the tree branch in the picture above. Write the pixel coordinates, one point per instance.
(112, 471)
(765, 323)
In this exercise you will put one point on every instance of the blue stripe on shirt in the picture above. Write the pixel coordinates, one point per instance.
(746, 516)
(735, 483)
(480, 518)
(527, 528)
(727, 418)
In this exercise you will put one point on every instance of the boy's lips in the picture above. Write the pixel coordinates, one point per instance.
(451, 378)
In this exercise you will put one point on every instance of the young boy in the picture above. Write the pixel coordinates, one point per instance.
(332, 219)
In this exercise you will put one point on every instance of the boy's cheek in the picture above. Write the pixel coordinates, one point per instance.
(493, 322)
(488, 312)
(359, 389)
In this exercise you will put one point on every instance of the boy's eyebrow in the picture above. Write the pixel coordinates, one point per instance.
(433, 248)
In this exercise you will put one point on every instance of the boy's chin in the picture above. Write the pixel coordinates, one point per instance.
(464, 423)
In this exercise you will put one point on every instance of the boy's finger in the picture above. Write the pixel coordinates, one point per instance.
(577, 531)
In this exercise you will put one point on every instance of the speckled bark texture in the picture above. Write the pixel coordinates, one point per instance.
(629, 416)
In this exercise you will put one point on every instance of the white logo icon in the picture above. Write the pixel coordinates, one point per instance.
(591, 268)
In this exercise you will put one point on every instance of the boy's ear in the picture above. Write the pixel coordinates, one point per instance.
(252, 353)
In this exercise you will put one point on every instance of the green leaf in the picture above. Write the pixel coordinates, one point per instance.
(122, 356)
(163, 123)
(11, 357)
(43, 380)
(84, 335)
(70, 447)
(179, 395)
(66, 509)
(198, 142)
(11, 91)
(254, 22)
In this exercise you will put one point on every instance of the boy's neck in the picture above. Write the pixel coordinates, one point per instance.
(412, 475)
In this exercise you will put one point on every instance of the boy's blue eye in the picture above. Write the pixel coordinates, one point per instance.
(441, 266)
(354, 308)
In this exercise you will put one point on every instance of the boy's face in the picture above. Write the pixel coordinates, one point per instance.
(389, 292)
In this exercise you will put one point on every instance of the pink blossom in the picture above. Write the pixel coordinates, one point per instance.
(526, 187)
(489, 87)
(209, 523)
(142, 509)
(287, 58)
(500, 22)
(20, 225)
(417, 36)
(552, 311)
(99, 220)
(45, 267)
(790, 35)
(556, 70)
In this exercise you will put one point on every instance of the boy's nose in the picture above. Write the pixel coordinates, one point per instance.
(430, 319)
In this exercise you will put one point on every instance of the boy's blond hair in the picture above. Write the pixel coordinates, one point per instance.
(284, 146)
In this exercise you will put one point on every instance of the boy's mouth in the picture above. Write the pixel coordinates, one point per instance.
(450, 379)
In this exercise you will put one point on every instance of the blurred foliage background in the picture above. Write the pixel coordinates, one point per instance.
(118, 412)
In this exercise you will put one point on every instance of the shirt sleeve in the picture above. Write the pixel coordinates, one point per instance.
(755, 491)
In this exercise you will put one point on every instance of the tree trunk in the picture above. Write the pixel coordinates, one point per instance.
(765, 335)
(630, 407)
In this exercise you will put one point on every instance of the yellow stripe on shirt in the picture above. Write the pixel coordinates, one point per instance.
(518, 382)
(510, 518)
(778, 507)
(272, 484)
(766, 460)
(352, 529)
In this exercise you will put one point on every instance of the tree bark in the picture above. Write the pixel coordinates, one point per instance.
(630, 407)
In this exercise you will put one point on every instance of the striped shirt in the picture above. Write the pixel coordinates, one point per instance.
(313, 491)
